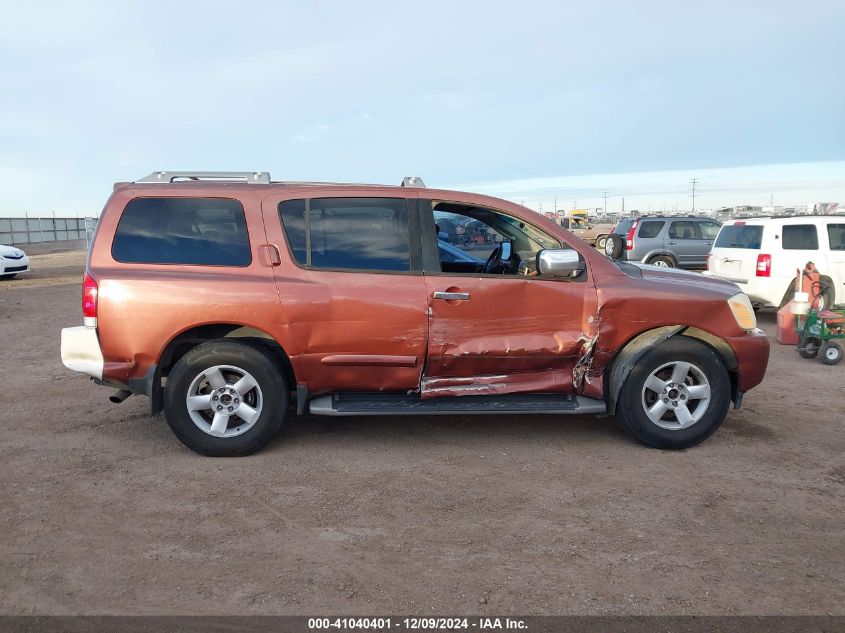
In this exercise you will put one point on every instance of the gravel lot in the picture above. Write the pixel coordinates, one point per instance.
(103, 511)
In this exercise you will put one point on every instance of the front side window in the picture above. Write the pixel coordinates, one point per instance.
(836, 235)
(348, 233)
(198, 231)
(800, 237)
(473, 233)
(682, 231)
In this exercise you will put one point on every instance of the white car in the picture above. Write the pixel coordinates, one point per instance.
(762, 255)
(12, 261)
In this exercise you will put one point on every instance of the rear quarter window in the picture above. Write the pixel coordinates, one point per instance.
(836, 235)
(800, 237)
(650, 228)
(199, 231)
(740, 236)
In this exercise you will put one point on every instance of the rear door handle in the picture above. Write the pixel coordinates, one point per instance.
(452, 296)
(273, 254)
(671, 242)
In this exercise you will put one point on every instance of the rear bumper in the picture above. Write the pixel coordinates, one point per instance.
(752, 358)
(766, 292)
(81, 351)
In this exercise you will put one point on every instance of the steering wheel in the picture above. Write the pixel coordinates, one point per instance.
(498, 256)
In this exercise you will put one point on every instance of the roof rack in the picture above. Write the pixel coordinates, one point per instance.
(250, 177)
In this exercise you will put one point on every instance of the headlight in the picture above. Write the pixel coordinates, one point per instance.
(743, 312)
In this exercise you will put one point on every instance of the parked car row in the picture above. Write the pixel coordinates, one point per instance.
(760, 255)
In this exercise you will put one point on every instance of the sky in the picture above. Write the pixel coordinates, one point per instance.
(526, 100)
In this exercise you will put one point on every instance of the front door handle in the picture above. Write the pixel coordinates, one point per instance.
(452, 296)
(671, 242)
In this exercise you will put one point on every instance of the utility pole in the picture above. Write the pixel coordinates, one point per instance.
(623, 206)
(574, 205)
(605, 201)
(693, 181)
(555, 204)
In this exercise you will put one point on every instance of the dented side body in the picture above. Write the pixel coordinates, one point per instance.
(346, 331)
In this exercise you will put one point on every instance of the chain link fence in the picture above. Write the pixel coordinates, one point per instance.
(17, 231)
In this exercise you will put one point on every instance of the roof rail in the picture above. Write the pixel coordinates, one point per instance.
(250, 177)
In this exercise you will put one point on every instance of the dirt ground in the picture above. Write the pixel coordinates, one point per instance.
(103, 511)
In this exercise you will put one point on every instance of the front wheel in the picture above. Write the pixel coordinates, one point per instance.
(9, 276)
(831, 353)
(225, 399)
(676, 396)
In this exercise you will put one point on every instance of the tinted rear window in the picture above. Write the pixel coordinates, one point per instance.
(200, 231)
(349, 233)
(650, 228)
(740, 236)
(800, 237)
(623, 226)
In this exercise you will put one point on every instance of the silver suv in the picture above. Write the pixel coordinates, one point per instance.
(671, 242)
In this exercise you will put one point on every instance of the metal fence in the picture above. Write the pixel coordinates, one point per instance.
(34, 230)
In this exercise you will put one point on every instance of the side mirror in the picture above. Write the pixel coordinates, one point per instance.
(560, 262)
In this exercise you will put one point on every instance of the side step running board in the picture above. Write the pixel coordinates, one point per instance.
(402, 404)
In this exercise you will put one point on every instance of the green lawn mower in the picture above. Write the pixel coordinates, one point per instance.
(819, 329)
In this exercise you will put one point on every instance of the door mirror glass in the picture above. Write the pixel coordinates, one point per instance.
(560, 262)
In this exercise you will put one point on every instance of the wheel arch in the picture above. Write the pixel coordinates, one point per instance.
(638, 346)
(659, 253)
(186, 340)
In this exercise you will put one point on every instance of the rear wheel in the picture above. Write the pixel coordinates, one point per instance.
(225, 399)
(664, 261)
(831, 353)
(676, 396)
(808, 347)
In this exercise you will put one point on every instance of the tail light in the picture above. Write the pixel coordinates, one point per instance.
(89, 300)
(764, 265)
(629, 239)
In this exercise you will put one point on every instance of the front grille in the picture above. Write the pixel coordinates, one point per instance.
(15, 269)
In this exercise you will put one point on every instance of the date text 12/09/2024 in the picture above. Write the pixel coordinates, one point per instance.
(412, 623)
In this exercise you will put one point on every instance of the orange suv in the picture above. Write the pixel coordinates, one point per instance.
(228, 299)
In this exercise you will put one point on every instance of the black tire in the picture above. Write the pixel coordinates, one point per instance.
(614, 246)
(9, 276)
(601, 240)
(808, 346)
(630, 406)
(831, 353)
(662, 260)
(256, 361)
